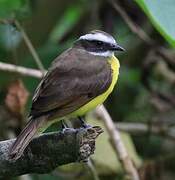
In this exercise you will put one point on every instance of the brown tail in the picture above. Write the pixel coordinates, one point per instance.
(25, 137)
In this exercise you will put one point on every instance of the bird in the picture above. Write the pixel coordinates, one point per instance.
(78, 80)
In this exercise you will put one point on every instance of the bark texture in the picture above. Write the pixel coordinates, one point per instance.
(48, 151)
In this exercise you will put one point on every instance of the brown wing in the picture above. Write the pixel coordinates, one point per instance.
(75, 78)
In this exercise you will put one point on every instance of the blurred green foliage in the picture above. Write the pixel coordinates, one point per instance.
(145, 89)
(10, 9)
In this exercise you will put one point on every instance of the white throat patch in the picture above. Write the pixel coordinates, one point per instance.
(99, 37)
(104, 54)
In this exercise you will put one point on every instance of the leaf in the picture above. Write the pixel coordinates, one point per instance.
(9, 37)
(17, 97)
(69, 19)
(9, 7)
(105, 157)
(162, 15)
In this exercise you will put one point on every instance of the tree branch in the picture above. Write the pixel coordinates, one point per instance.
(117, 143)
(49, 150)
(133, 26)
(30, 46)
(141, 128)
(21, 70)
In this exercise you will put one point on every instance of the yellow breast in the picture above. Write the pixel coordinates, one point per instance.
(115, 65)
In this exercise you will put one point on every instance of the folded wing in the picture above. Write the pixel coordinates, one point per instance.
(73, 80)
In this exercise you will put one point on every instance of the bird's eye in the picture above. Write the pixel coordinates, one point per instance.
(99, 43)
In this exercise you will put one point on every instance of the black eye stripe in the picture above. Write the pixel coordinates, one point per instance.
(99, 42)
(96, 42)
(95, 45)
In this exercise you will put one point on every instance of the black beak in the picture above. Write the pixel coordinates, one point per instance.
(116, 47)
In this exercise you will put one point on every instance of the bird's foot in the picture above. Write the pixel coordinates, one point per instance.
(64, 126)
(83, 123)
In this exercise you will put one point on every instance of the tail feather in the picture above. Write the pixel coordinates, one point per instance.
(25, 137)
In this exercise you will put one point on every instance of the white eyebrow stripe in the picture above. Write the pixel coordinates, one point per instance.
(98, 37)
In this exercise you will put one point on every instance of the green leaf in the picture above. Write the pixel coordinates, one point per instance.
(162, 15)
(69, 19)
(105, 157)
(9, 37)
(9, 7)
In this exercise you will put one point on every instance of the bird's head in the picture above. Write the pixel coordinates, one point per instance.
(98, 43)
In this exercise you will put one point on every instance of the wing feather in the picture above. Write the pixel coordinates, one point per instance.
(74, 79)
